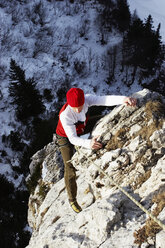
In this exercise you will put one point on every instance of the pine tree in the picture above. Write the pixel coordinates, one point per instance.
(24, 94)
(122, 15)
(106, 2)
(13, 215)
(107, 20)
(133, 43)
(143, 46)
(152, 46)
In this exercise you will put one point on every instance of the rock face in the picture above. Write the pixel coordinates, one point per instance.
(134, 157)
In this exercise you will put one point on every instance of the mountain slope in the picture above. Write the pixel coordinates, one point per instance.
(133, 156)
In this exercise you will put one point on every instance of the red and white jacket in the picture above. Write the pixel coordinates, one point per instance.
(72, 124)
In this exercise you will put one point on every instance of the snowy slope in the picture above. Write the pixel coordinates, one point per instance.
(47, 39)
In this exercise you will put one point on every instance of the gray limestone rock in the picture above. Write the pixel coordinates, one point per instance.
(133, 157)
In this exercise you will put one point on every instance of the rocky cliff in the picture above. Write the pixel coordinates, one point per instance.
(133, 156)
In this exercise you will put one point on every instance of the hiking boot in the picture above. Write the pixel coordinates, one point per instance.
(75, 206)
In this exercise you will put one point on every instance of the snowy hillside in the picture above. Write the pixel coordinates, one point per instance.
(58, 45)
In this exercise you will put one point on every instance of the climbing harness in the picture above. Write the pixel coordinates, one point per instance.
(127, 194)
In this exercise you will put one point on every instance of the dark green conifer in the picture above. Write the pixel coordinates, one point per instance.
(24, 94)
(143, 46)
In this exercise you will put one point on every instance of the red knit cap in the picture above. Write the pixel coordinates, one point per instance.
(75, 97)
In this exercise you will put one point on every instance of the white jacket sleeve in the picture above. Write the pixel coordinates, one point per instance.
(109, 100)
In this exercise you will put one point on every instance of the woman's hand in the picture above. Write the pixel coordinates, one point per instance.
(95, 144)
(130, 101)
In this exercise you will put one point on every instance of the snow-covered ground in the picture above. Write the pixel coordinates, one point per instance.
(18, 41)
(155, 8)
(21, 36)
(46, 67)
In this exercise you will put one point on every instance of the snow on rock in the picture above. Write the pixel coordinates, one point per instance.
(109, 218)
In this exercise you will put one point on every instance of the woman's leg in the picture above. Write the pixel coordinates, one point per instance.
(67, 150)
